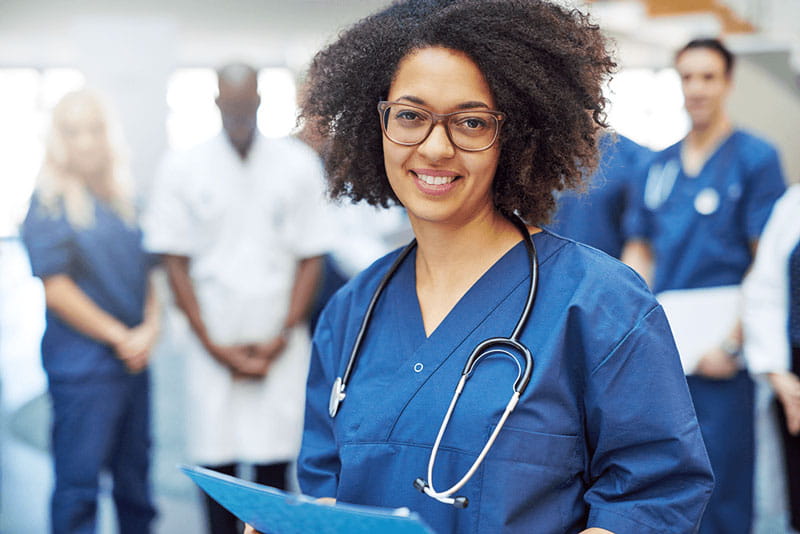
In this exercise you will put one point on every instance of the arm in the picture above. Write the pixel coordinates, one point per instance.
(236, 357)
(722, 361)
(77, 309)
(318, 463)
(638, 255)
(135, 350)
(306, 281)
(649, 472)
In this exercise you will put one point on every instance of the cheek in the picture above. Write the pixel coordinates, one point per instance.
(394, 158)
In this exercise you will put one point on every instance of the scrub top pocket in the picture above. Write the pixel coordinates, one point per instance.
(520, 457)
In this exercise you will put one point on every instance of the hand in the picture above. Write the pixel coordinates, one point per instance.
(250, 530)
(787, 389)
(135, 345)
(239, 359)
(269, 350)
(717, 364)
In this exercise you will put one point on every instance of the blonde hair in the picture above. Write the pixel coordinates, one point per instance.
(60, 187)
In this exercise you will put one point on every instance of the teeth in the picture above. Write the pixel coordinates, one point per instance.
(436, 180)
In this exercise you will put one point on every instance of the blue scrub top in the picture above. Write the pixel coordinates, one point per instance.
(107, 262)
(596, 216)
(695, 246)
(604, 435)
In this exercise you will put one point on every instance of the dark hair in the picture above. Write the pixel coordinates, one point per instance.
(544, 64)
(710, 44)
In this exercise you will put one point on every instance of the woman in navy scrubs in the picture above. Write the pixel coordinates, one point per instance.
(468, 113)
(102, 320)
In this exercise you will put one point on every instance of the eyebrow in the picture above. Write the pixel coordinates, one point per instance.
(464, 105)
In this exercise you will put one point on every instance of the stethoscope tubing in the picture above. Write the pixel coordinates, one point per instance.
(483, 349)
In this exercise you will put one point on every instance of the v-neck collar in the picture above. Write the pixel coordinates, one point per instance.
(712, 156)
(425, 355)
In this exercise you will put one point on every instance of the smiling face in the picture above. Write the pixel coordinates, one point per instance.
(436, 181)
(705, 85)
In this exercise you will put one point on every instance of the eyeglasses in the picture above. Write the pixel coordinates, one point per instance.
(408, 125)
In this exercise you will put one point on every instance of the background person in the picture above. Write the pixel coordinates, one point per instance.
(485, 109)
(771, 321)
(241, 224)
(102, 319)
(704, 205)
(596, 216)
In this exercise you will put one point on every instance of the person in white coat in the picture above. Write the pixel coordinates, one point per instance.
(241, 222)
(771, 320)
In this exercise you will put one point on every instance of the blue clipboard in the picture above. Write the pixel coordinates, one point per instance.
(273, 511)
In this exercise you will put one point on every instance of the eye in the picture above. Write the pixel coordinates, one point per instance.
(408, 115)
(472, 123)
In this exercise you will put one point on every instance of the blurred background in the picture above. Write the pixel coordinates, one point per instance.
(155, 61)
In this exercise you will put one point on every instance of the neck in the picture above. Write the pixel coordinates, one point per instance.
(243, 147)
(452, 255)
(705, 137)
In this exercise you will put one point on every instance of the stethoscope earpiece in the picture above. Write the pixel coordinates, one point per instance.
(490, 346)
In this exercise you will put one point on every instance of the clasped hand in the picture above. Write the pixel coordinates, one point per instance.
(133, 347)
(251, 360)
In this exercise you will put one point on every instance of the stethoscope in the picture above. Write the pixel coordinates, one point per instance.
(494, 345)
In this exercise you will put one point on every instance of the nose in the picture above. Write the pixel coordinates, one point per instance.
(437, 146)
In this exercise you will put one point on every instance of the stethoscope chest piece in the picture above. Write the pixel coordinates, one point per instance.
(504, 346)
(337, 396)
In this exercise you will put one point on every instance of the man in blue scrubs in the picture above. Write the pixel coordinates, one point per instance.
(703, 207)
(596, 216)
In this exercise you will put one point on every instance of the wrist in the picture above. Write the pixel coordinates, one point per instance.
(731, 347)
(116, 335)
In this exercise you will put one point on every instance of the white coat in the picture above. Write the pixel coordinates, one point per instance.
(244, 224)
(766, 289)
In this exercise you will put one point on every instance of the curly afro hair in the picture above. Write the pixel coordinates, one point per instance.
(544, 64)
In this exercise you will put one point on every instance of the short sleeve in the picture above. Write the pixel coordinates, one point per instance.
(167, 220)
(312, 224)
(765, 184)
(649, 469)
(48, 238)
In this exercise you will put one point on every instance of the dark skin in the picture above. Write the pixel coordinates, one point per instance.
(244, 360)
(238, 104)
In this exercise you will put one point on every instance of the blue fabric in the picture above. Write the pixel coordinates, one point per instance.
(107, 262)
(725, 410)
(693, 250)
(101, 424)
(596, 216)
(794, 296)
(605, 434)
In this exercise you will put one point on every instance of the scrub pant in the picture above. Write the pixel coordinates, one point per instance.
(725, 411)
(101, 424)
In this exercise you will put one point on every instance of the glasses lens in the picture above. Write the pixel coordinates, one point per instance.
(473, 130)
(405, 124)
(469, 130)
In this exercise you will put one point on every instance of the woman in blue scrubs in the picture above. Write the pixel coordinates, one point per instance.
(484, 110)
(102, 320)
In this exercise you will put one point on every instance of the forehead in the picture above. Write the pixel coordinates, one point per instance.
(700, 60)
(241, 90)
(78, 114)
(440, 78)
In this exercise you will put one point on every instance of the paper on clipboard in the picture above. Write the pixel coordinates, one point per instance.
(273, 511)
(700, 319)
